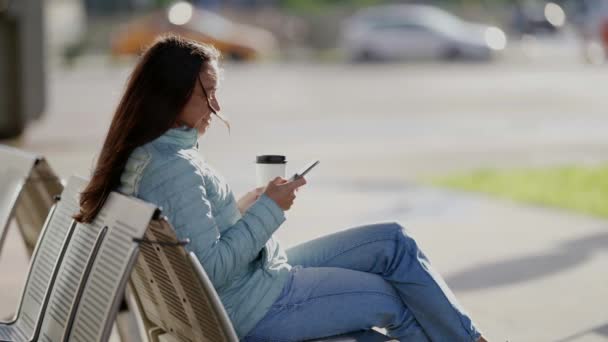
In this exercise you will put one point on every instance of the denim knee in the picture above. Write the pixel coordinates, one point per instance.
(404, 239)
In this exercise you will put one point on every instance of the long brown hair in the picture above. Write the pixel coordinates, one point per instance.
(157, 91)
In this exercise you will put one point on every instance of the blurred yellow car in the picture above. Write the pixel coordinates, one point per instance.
(235, 41)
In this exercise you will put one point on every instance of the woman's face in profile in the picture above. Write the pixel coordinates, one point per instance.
(198, 110)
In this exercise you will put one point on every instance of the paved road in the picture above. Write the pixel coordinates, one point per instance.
(525, 274)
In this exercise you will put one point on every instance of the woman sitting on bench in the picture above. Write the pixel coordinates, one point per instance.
(373, 275)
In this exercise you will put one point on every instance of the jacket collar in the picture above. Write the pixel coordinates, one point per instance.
(184, 137)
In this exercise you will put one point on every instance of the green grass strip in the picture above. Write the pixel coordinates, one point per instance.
(580, 188)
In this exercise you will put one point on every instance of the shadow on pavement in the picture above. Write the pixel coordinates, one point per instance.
(563, 257)
(601, 330)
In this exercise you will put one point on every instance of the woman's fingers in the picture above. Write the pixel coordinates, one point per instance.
(280, 180)
(259, 191)
(283, 192)
(298, 182)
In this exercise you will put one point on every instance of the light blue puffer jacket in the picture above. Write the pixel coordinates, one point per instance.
(246, 265)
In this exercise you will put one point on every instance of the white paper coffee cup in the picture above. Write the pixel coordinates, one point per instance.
(268, 167)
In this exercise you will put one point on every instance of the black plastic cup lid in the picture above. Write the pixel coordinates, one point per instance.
(270, 159)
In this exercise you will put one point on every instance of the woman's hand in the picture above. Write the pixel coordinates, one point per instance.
(249, 198)
(283, 192)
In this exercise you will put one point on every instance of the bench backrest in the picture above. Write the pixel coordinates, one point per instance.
(15, 167)
(35, 201)
(174, 292)
(28, 186)
(44, 264)
(94, 272)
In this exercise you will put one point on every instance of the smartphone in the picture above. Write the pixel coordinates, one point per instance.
(304, 170)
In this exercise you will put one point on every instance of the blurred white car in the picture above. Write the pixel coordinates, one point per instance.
(395, 32)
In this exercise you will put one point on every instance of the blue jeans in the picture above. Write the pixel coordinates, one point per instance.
(373, 275)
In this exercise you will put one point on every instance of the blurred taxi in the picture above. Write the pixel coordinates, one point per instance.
(235, 41)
